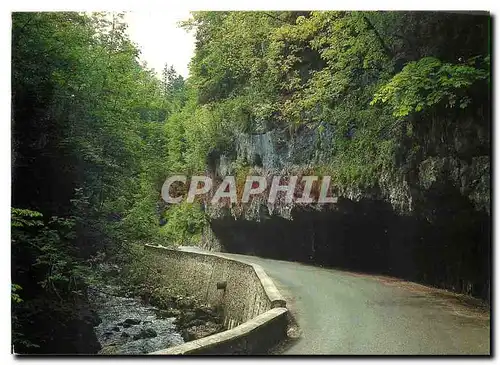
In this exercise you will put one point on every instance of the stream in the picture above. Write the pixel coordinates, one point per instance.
(130, 327)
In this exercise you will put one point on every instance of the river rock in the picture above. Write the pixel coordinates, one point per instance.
(168, 313)
(132, 321)
(205, 312)
(185, 302)
(145, 333)
(188, 316)
(204, 330)
(129, 322)
(196, 322)
(109, 350)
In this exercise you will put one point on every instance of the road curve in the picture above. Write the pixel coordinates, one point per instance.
(342, 313)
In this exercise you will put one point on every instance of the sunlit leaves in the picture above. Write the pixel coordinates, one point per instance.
(25, 218)
(14, 293)
(427, 82)
(184, 223)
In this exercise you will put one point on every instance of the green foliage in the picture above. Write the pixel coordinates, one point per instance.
(90, 151)
(257, 71)
(95, 133)
(15, 288)
(427, 82)
(50, 242)
(44, 248)
(184, 225)
(25, 218)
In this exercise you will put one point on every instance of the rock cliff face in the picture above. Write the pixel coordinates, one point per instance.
(427, 219)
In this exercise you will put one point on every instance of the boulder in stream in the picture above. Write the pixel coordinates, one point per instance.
(132, 321)
(145, 333)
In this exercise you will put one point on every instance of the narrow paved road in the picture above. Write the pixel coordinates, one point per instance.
(344, 313)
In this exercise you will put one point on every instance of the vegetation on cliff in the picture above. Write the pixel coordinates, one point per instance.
(375, 78)
(95, 133)
(405, 96)
(399, 107)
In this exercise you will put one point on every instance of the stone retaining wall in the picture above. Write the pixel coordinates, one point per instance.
(254, 311)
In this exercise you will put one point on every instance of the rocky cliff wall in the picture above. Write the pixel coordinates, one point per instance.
(427, 219)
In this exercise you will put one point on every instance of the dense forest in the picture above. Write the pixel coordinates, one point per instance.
(396, 105)
(88, 142)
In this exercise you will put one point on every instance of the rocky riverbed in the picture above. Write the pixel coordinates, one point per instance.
(130, 326)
